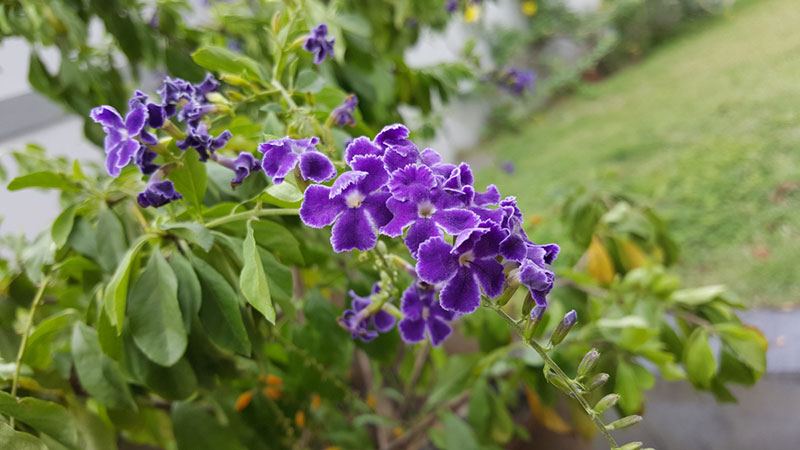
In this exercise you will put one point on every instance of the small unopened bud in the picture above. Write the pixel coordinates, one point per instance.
(606, 402)
(537, 313)
(588, 362)
(625, 422)
(563, 328)
(558, 383)
(536, 317)
(527, 304)
(631, 446)
(381, 248)
(598, 381)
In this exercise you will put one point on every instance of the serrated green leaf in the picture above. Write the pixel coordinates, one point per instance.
(253, 280)
(98, 373)
(154, 314)
(219, 313)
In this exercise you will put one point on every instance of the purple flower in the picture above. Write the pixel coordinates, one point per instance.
(517, 81)
(120, 142)
(354, 205)
(144, 159)
(172, 91)
(244, 165)
(155, 115)
(344, 114)
(508, 167)
(423, 313)
(361, 146)
(282, 155)
(537, 279)
(205, 144)
(157, 193)
(359, 324)
(463, 267)
(207, 86)
(317, 45)
(451, 6)
(398, 150)
(417, 201)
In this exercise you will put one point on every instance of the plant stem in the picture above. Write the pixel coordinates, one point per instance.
(598, 421)
(252, 213)
(286, 96)
(25, 332)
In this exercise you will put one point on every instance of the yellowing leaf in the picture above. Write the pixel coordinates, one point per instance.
(544, 414)
(599, 262)
(634, 256)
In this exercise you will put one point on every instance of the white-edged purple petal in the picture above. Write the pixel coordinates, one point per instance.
(375, 205)
(411, 181)
(403, 214)
(455, 221)
(361, 146)
(435, 262)
(438, 329)
(395, 134)
(411, 303)
(316, 167)
(318, 209)
(353, 230)
(421, 230)
(108, 117)
(412, 330)
(513, 248)
(383, 321)
(278, 160)
(346, 180)
(377, 176)
(135, 120)
(461, 294)
(490, 275)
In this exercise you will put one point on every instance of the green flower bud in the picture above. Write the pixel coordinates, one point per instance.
(625, 422)
(564, 327)
(598, 381)
(588, 362)
(631, 446)
(606, 402)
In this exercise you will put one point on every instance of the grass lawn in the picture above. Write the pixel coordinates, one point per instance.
(707, 129)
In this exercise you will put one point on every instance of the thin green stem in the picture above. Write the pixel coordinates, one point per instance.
(286, 96)
(250, 214)
(598, 421)
(25, 332)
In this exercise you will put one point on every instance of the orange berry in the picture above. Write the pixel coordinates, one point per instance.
(274, 380)
(273, 393)
(398, 431)
(300, 419)
(243, 400)
(371, 402)
(315, 401)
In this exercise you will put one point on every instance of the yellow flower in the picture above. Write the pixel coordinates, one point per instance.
(529, 8)
(472, 13)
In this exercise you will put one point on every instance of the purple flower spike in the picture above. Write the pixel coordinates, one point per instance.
(464, 267)
(158, 193)
(537, 279)
(318, 45)
(362, 326)
(205, 144)
(344, 114)
(282, 155)
(120, 142)
(244, 165)
(352, 205)
(423, 313)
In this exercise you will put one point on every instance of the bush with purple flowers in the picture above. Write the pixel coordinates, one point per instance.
(255, 266)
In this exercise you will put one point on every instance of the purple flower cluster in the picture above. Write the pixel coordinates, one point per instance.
(317, 44)
(362, 325)
(515, 81)
(466, 243)
(343, 114)
(133, 138)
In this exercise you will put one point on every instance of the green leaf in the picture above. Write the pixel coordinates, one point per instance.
(17, 440)
(699, 359)
(110, 240)
(62, 226)
(191, 179)
(219, 313)
(154, 313)
(458, 435)
(253, 280)
(189, 291)
(98, 373)
(37, 349)
(309, 81)
(220, 59)
(47, 417)
(44, 179)
(747, 343)
(275, 237)
(502, 425)
(115, 296)
(194, 429)
(284, 195)
(697, 296)
(192, 232)
(278, 275)
(176, 382)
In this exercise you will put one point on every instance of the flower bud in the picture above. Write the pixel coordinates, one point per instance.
(537, 313)
(631, 446)
(588, 362)
(606, 402)
(598, 381)
(563, 328)
(557, 382)
(625, 422)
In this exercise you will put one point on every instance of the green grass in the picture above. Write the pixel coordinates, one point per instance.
(707, 129)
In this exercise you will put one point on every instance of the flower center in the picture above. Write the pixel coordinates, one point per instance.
(354, 199)
(465, 258)
(425, 210)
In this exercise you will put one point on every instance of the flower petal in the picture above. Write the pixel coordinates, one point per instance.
(403, 214)
(377, 176)
(513, 248)
(383, 321)
(353, 230)
(361, 146)
(279, 160)
(412, 330)
(107, 116)
(134, 121)
(455, 221)
(411, 181)
(318, 209)
(461, 293)
(490, 275)
(395, 134)
(375, 205)
(435, 261)
(438, 329)
(316, 167)
(421, 230)
(411, 305)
